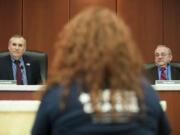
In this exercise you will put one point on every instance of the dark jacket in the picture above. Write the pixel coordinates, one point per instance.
(152, 74)
(32, 69)
(51, 120)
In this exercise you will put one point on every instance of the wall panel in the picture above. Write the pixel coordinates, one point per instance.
(172, 26)
(152, 22)
(145, 21)
(78, 5)
(42, 21)
(172, 39)
(10, 20)
(173, 108)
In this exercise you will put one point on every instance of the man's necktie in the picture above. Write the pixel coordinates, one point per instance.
(163, 75)
(18, 73)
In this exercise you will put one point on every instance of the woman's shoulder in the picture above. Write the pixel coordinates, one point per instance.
(51, 94)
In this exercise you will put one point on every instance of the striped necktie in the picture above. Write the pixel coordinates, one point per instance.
(18, 72)
(163, 75)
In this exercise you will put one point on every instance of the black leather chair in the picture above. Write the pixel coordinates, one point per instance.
(150, 65)
(40, 56)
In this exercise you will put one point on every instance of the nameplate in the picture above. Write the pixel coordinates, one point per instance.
(8, 82)
(167, 82)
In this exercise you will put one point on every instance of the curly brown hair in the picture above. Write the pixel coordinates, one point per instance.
(96, 49)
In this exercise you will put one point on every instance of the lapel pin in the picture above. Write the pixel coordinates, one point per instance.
(28, 64)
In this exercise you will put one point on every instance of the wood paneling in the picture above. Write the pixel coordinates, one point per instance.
(18, 95)
(152, 22)
(173, 109)
(10, 20)
(78, 5)
(42, 21)
(172, 26)
(145, 21)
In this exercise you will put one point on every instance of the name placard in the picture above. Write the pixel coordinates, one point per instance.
(8, 82)
(167, 82)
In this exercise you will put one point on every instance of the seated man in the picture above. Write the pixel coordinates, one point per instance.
(163, 69)
(18, 67)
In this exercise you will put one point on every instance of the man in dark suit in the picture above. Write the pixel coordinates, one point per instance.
(18, 67)
(163, 69)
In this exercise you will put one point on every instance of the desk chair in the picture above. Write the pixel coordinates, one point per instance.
(39, 56)
(150, 65)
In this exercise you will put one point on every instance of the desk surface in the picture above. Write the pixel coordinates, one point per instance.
(167, 87)
(6, 87)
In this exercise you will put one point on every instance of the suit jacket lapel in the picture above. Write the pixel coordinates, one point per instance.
(156, 73)
(174, 73)
(10, 70)
(155, 76)
(28, 69)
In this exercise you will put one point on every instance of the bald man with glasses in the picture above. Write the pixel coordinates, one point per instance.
(163, 69)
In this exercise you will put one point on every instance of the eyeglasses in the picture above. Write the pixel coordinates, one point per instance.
(162, 54)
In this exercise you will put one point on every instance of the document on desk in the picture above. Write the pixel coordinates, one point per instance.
(5, 82)
(9, 87)
(167, 82)
(167, 85)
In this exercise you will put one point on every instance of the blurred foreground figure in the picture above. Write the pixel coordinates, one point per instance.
(97, 88)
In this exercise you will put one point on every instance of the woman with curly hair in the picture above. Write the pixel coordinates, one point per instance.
(96, 87)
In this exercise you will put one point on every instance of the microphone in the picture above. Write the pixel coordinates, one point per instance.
(22, 67)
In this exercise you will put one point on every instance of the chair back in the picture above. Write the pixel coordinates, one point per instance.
(150, 65)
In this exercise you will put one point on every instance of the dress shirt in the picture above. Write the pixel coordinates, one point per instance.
(23, 70)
